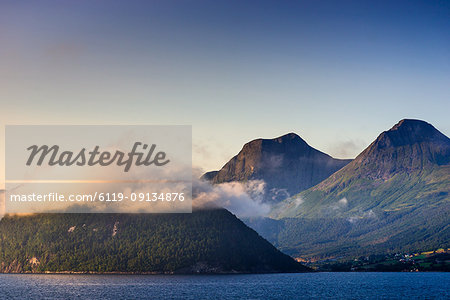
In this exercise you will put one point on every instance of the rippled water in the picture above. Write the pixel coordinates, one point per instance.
(266, 286)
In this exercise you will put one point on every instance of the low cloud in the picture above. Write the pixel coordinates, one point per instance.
(279, 194)
(298, 201)
(370, 214)
(340, 205)
(242, 199)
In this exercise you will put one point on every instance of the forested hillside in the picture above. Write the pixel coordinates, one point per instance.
(207, 241)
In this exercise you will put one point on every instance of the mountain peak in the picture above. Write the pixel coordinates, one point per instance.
(287, 165)
(397, 187)
(289, 143)
(410, 123)
(409, 132)
(289, 136)
(408, 145)
(415, 127)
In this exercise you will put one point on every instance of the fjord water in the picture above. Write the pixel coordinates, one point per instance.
(263, 286)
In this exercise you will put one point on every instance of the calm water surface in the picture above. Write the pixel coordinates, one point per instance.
(266, 286)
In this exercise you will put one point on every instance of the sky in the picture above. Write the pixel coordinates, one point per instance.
(337, 73)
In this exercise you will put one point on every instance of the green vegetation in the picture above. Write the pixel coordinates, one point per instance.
(407, 230)
(393, 197)
(402, 191)
(201, 242)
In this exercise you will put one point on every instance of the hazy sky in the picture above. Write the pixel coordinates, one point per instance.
(335, 72)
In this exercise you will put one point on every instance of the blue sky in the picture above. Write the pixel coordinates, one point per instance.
(335, 72)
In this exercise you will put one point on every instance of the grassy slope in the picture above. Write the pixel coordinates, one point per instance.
(402, 191)
(387, 199)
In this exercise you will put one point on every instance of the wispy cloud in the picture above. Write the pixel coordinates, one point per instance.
(242, 199)
(370, 214)
(341, 204)
(346, 149)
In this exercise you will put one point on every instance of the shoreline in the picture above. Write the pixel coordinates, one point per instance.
(202, 273)
(149, 273)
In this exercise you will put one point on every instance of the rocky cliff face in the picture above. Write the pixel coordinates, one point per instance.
(411, 145)
(287, 165)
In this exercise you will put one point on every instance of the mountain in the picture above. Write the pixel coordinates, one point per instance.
(393, 197)
(206, 241)
(405, 167)
(287, 164)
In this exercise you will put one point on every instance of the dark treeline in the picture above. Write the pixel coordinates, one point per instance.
(204, 241)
